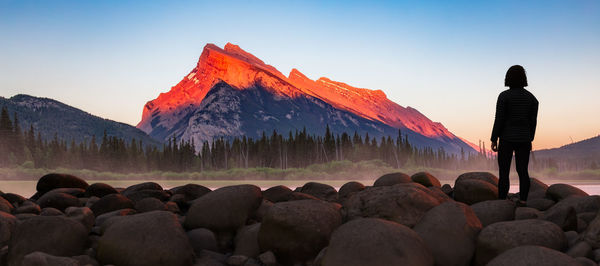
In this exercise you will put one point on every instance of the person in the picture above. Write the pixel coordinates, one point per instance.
(514, 125)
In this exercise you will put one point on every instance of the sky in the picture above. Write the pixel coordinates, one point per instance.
(447, 59)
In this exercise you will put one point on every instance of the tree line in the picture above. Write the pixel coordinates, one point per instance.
(296, 149)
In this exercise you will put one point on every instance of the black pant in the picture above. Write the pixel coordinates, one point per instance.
(505, 152)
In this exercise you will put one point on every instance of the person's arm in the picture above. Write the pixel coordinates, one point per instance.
(533, 117)
(499, 118)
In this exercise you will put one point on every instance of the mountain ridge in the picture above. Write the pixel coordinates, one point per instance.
(241, 70)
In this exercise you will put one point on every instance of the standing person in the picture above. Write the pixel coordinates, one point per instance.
(515, 122)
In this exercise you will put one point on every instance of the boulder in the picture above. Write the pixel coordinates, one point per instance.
(262, 210)
(138, 195)
(14, 199)
(583, 261)
(190, 191)
(426, 179)
(277, 193)
(150, 204)
(236, 260)
(502, 236)
(592, 233)
(522, 213)
(448, 190)
(297, 230)
(100, 190)
(54, 180)
(54, 235)
(8, 223)
(392, 179)
(111, 202)
(587, 216)
(558, 192)
(402, 203)
(540, 204)
(76, 192)
(246, 241)
(348, 189)
(151, 238)
(28, 207)
(471, 191)
(83, 215)
(532, 255)
(438, 193)
(320, 191)
(210, 258)
(565, 217)
(300, 196)
(226, 208)
(202, 239)
(481, 176)
(58, 200)
(371, 241)
(268, 258)
(43, 259)
(492, 211)
(581, 204)
(537, 189)
(6, 206)
(450, 230)
(581, 249)
(49, 211)
(105, 216)
(140, 187)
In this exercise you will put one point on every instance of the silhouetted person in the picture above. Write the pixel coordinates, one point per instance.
(516, 116)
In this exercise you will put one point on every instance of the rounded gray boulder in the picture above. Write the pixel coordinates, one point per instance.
(371, 241)
(151, 238)
(224, 209)
(450, 231)
(496, 238)
(297, 230)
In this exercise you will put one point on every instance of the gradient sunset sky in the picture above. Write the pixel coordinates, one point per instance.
(445, 58)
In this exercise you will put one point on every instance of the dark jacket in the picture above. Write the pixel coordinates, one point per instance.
(516, 116)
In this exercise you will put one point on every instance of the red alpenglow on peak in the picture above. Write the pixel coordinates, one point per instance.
(242, 70)
(371, 104)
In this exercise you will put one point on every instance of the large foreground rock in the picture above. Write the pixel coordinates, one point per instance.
(402, 203)
(224, 209)
(53, 180)
(492, 211)
(370, 241)
(537, 189)
(151, 238)
(450, 231)
(111, 202)
(557, 192)
(499, 237)
(426, 179)
(320, 191)
(532, 255)
(8, 223)
(54, 235)
(471, 191)
(190, 191)
(297, 230)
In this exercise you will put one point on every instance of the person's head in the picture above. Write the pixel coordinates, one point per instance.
(515, 77)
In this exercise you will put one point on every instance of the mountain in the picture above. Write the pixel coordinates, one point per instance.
(51, 117)
(585, 150)
(230, 93)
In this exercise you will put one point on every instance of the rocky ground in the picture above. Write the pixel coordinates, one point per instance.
(399, 220)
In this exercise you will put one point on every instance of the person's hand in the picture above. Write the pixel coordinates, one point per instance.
(495, 146)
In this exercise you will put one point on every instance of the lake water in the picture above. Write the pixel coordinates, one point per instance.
(27, 188)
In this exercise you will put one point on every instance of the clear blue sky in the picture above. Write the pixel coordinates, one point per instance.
(445, 58)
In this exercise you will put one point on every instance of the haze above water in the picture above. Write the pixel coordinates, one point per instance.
(27, 188)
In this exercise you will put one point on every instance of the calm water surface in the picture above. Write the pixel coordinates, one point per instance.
(27, 188)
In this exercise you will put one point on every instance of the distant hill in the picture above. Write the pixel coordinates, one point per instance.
(50, 117)
(585, 150)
